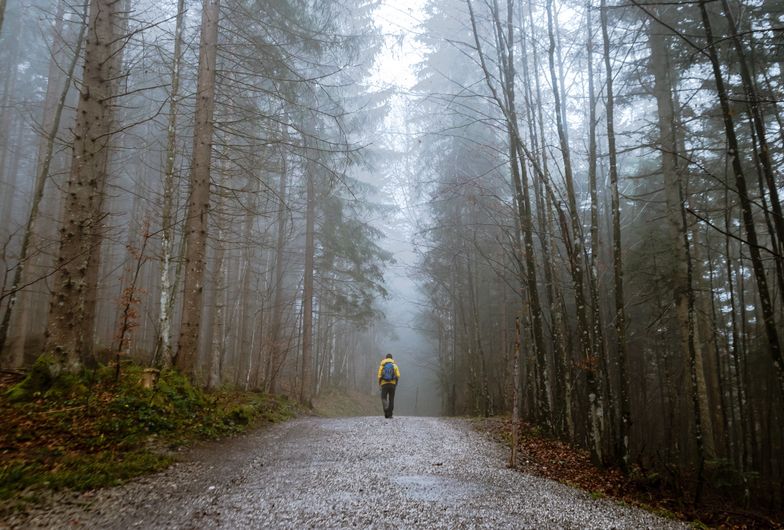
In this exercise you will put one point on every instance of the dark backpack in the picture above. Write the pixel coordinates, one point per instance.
(388, 372)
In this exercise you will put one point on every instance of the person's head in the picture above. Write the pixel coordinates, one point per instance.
(389, 356)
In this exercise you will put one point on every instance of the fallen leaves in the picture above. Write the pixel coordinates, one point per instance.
(549, 457)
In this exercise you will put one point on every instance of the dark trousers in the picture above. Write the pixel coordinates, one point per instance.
(388, 398)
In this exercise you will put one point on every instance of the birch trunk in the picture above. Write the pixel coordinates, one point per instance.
(597, 331)
(163, 348)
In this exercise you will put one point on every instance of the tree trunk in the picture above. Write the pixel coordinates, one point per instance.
(306, 389)
(273, 361)
(7, 121)
(68, 331)
(217, 344)
(681, 262)
(163, 356)
(516, 392)
(196, 221)
(620, 311)
(597, 332)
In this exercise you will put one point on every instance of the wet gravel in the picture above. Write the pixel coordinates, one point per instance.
(369, 472)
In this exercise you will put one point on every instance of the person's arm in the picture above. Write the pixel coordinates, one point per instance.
(397, 372)
(380, 367)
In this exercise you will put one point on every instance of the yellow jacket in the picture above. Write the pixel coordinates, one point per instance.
(381, 369)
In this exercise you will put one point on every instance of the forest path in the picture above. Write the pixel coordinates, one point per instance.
(407, 472)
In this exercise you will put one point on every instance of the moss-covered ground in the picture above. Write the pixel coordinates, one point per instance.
(93, 430)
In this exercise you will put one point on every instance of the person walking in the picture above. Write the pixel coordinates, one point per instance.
(388, 376)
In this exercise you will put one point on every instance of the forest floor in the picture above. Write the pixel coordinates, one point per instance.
(101, 430)
(547, 457)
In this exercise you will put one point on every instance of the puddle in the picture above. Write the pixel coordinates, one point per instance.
(432, 488)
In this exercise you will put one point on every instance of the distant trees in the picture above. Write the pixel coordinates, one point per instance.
(195, 180)
(647, 356)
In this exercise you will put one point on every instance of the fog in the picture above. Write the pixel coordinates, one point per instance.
(562, 211)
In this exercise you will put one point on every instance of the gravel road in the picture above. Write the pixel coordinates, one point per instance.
(406, 472)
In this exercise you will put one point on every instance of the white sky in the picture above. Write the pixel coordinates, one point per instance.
(398, 21)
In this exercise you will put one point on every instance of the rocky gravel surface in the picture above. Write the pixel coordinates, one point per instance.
(406, 472)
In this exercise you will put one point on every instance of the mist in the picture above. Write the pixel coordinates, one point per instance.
(558, 212)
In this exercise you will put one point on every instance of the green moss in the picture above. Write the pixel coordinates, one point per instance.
(39, 380)
(125, 430)
(79, 473)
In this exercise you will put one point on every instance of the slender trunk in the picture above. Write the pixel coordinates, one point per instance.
(597, 331)
(477, 339)
(620, 311)
(516, 392)
(217, 346)
(766, 305)
(575, 246)
(273, 361)
(720, 406)
(7, 121)
(520, 177)
(163, 348)
(306, 389)
(127, 321)
(199, 202)
(743, 456)
(244, 299)
(755, 110)
(556, 301)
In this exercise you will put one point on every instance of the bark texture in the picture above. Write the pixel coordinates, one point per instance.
(196, 220)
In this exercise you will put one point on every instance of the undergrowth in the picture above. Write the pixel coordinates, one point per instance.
(549, 457)
(89, 431)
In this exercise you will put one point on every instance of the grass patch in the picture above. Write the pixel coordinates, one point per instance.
(340, 403)
(90, 431)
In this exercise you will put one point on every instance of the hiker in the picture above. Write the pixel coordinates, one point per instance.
(388, 376)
